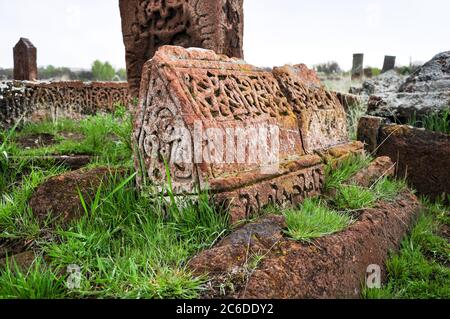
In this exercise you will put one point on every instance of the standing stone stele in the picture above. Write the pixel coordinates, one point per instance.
(216, 25)
(358, 66)
(25, 61)
(389, 63)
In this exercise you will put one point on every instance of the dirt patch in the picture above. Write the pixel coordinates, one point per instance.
(330, 267)
(36, 141)
(9, 247)
(22, 261)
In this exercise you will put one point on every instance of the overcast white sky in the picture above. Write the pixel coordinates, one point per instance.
(75, 32)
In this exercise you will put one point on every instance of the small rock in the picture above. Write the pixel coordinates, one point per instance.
(59, 198)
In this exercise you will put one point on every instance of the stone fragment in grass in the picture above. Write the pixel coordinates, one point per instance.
(332, 267)
(58, 198)
(379, 168)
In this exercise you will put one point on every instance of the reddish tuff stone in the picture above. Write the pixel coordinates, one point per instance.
(217, 25)
(184, 89)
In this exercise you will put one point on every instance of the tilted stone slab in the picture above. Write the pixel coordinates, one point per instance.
(253, 137)
(34, 101)
(216, 25)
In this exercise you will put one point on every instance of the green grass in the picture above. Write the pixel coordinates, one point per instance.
(438, 121)
(16, 218)
(313, 220)
(38, 282)
(420, 270)
(127, 245)
(107, 137)
(353, 116)
(338, 174)
(352, 197)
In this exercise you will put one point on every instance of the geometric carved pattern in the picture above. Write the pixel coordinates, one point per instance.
(186, 88)
(149, 24)
(40, 100)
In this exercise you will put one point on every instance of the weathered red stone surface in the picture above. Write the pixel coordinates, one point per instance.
(321, 117)
(59, 197)
(194, 102)
(332, 267)
(34, 101)
(217, 25)
(381, 167)
(368, 132)
(422, 157)
(25, 61)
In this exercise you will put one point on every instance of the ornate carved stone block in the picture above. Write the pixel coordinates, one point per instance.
(33, 101)
(149, 24)
(250, 136)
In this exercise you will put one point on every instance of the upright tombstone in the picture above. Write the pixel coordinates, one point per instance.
(389, 63)
(216, 25)
(358, 66)
(250, 136)
(25, 61)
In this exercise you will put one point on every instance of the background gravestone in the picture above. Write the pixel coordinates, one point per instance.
(389, 63)
(358, 66)
(216, 25)
(25, 65)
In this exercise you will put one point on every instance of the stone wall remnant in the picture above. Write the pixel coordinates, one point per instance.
(25, 61)
(358, 66)
(34, 101)
(216, 25)
(389, 63)
(251, 136)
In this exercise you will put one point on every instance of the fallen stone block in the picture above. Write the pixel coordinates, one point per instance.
(334, 266)
(250, 136)
(380, 168)
(422, 157)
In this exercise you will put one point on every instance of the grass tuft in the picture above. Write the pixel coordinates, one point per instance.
(338, 174)
(313, 220)
(352, 197)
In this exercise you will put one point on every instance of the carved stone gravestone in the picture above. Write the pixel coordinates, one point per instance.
(148, 24)
(389, 63)
(25, 61)
(358, 66)
(250, 136)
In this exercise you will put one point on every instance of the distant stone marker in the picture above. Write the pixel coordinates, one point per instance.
(389, 63)
(216, 25)
(25, 57)
(358, 66)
